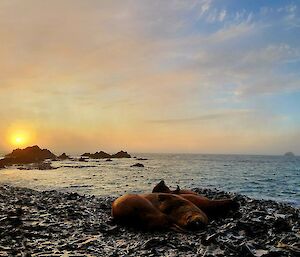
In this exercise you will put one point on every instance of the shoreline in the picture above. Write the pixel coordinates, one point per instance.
(52, 223)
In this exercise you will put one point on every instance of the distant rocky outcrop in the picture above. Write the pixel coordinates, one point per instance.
(138, 165)
(63, 157)
(121, 154)
(289, 154)
(31, 154)
(104, 155)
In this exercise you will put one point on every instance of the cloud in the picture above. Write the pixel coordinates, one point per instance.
(223, 115)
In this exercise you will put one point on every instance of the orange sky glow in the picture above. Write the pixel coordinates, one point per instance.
(165, 76)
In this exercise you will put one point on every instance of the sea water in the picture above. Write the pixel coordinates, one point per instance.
(261, 177)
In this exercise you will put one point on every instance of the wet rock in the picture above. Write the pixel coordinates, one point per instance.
(108, 160)
(141, 159)
(81, 159)
(138, 165)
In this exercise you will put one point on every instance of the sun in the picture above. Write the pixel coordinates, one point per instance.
(20, 135)
(19, 139)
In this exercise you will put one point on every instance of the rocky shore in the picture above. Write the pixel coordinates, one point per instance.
(52, 223)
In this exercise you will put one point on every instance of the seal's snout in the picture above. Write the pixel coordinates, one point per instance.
(195, 224)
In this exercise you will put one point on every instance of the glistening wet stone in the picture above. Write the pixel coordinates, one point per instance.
(52, 223)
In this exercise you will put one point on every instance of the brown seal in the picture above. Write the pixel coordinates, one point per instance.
(210, 207)
(158, 211)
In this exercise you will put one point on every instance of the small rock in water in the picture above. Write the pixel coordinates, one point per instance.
(138, 165)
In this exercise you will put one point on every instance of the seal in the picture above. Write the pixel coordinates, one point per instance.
(210, 207)
(158, 211)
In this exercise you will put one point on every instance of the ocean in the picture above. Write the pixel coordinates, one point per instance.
(261, 177)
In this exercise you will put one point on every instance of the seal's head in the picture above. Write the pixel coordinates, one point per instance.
(161, 187)
(184, 213)
(195, 222)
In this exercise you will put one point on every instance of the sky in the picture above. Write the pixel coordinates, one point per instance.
(183, 76)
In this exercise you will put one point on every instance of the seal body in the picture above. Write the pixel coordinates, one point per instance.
(212, 208)
(209, 207)
(137, 211)
(158, 211)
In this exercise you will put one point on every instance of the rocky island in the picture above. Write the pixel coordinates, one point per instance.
(52, 223)
(289, 154)
(31, 154)
(104, 155)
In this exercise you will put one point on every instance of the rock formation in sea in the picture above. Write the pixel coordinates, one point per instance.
(104, 155)
(138, 165)
(289, 154)
(31, 154)
(121, 154)
(63, 157)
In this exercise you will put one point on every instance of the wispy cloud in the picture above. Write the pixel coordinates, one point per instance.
(223, 115)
